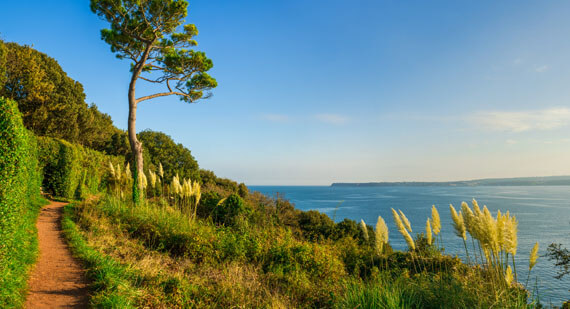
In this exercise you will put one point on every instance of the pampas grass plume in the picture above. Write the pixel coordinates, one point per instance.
(128, 171)
(381, 234)
(403, 231)
(458, 222)
(152, 178)
(405, 221)
(428, 232)
(197, 192)
(111, 169)
(533, 256)
(509, 275)
(435, 222)
(364, 229)
(143, 181)
(510, 234)
(467, 217)
(160, 170)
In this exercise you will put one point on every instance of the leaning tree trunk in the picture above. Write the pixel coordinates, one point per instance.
(136, 146)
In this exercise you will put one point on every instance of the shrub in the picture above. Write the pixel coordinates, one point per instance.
(230, 210)
(19, 198)
(316, 225)
(208, 204)
(72, 171)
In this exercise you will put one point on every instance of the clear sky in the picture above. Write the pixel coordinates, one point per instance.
(314, 92)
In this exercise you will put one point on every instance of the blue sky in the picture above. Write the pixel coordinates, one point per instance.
(314, 92)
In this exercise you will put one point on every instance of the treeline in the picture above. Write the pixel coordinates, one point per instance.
(53, 105)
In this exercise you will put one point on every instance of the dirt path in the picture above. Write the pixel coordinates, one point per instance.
(58, 281)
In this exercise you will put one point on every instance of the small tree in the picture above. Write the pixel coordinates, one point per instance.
(151, 34)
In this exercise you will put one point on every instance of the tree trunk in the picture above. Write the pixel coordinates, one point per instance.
(136, 146)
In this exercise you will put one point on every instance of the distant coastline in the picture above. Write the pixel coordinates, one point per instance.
(519, 181)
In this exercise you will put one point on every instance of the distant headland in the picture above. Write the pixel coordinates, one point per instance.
(519, 181)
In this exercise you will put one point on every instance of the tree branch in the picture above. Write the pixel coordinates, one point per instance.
(162, 94)
(150, 80)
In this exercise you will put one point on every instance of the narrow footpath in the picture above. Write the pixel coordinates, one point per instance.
(58, 280)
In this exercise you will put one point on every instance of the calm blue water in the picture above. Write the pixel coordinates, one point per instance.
(543, 214)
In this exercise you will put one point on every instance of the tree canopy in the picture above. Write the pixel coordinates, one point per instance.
(152, 35)
(175, 158)
(52, 104)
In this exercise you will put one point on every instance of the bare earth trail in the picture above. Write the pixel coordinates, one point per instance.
(58, 280)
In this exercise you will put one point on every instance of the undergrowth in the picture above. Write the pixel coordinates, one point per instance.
(154, 256)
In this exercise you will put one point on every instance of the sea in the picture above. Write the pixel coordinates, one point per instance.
(543, 214)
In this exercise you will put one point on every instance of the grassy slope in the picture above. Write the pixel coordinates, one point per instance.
(153, 256)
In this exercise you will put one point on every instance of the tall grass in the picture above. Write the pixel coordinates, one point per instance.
(276, 266)
(183, 194)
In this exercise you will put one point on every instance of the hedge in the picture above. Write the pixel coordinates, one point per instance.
(72, 171)
(19, 204)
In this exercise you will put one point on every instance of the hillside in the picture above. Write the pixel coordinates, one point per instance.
(519, 181)
(195, 240)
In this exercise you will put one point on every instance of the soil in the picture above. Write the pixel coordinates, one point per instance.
(58, 280)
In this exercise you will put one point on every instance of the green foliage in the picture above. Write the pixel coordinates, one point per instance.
(222, 185)
(241, 263)
(347, 228)
(243, 192)
(2, 64)
(316, 225)
(52, 104)
(175, 158)
(72, 171)
(151, 34)
(229, 212)
(19, 201)
(118, 145)
(208, 204)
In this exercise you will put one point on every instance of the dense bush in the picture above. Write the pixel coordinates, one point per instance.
(229, 212)
(19, 199)
(316, 225)
(72, 171)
